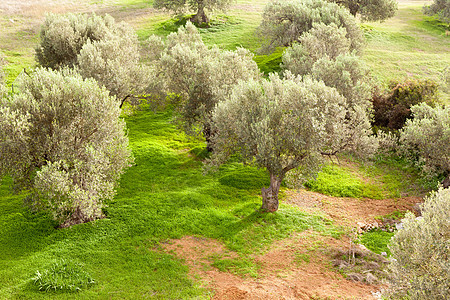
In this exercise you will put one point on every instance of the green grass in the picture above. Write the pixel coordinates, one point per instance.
(339, 181)
(376, 241)
(408, 45)
(242, 266)
(164, 196)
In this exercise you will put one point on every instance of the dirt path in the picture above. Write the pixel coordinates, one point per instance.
(295, 268)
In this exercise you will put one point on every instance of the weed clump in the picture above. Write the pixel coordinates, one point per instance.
(63, 275)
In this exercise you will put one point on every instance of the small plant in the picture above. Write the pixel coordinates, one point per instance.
(63, 275)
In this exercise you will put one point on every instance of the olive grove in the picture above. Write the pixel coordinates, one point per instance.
(202, 76)
(62, 140)
(182, 6)
(285, 124)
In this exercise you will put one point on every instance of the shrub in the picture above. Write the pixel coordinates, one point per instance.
(62, 139)
(426, 139)
(392, 109)
(63, 275)
(421, 265)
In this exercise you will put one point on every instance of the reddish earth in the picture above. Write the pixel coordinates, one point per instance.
(298, 267)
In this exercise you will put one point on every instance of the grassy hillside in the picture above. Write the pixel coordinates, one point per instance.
(165, 195)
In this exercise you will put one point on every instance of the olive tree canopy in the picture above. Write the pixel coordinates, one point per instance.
(61, 138)
(427, 137)
(181, 6)
(284, 21)
(420, 268)
(281, 125)
(97, 47)
(370, 10)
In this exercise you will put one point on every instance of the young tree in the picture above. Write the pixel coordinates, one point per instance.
(427, 138)
(284, 21)
(281, 125)
(202, 76)
(97, 47)
(421, 265)
(62, 139)
(441, 8)
(370, 10)
(181, 6)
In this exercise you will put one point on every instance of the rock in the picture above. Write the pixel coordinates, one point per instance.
(384, 254)
(355, 277)
(371, 279)
(362, 247)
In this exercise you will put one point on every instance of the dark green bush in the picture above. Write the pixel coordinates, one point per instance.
(392, 108)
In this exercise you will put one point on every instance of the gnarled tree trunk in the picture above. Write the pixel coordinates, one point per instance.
(200, 17)
(270, 195)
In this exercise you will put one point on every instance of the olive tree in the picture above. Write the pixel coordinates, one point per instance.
(441, 8)
(284, 21)
(97, 47)
(281, 125)
(62, 139)
(420, 268)
(320, 41)
(370, 10)
(202, 76)
(181, 6)
(427, 138)
(324, 54)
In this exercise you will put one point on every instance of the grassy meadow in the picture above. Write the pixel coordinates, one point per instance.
(165, 194)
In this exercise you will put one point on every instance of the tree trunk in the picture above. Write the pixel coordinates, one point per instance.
(446, 182)
(270, 195)
(200, 17)
(353, 7)
(208, 135)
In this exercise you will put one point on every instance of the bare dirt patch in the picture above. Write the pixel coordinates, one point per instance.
(295, 268)
(349, 211)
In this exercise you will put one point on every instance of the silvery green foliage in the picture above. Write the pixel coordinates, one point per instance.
(63, 36)
(427, 138)
(97, 47)
(324, 55)
(441, 8)
(421, 251)
(279, 124)
(114, 63)
(202, 76)
(62, 139)
(285, 21)
(322, 40)
(370, 10)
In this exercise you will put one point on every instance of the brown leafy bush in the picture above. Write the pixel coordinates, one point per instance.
(393, 108)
